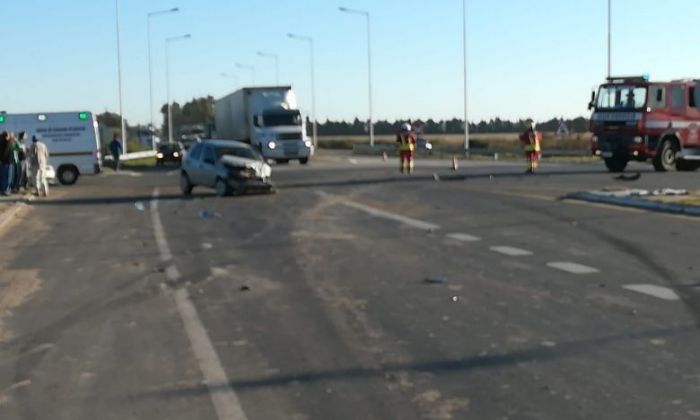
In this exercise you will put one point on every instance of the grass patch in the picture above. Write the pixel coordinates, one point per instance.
(139, 163)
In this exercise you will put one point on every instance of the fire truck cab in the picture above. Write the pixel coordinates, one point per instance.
(637, 119)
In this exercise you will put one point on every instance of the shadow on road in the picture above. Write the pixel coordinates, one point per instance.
(460, 365)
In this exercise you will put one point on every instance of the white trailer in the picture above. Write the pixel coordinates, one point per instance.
(72, 138)
(266, 117)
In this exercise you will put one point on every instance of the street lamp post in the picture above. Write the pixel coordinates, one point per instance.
(369, 65)
(150, 65)
(249, 68)
(277, 64)
(313, 84)
(119, 77)
(609, 38)
(169, 41)
(466, 115)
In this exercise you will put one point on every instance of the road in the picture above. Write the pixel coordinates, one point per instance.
(123, 300)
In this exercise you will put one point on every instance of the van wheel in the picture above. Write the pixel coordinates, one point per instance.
(665, 159)
(185, 184)
(68, 175)
(304, 161)
(616, 164)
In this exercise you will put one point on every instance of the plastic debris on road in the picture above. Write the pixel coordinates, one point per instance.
(636, 192)
(436, 177)
(208, 214)
(140, 206)
(455, 299)
(435, 280)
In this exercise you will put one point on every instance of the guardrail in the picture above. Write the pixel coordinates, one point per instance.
(379, 149)
(133, 156)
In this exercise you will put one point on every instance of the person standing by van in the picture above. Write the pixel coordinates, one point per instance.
(39, 159)
(5, 163)
(16, 163)
(116, 148)
(23, 163)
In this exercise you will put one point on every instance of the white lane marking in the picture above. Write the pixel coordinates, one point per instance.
(418, 224)
(510, 251)
(324, 235)
(224, 398)
(463, 237)
(656, 291)
(573, 268)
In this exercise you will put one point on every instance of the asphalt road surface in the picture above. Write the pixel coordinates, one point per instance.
(352, 293)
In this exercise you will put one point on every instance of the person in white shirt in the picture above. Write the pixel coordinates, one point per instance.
(39, 161)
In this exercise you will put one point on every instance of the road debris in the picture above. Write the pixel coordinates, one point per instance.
(140, 206)
(245, 288)
(208, 214)
(624, 177)
(436, 177)
(455, 299)
(435, 280)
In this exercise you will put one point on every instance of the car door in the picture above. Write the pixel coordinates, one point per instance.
(208, 165)
(193, 164)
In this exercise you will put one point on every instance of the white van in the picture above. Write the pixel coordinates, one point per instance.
(72, 138)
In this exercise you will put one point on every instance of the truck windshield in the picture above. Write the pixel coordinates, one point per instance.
(275, 119)
(622, 97)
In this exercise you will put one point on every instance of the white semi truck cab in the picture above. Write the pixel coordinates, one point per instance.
(269, 119)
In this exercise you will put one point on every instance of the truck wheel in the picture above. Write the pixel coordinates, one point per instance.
(222, 188)
(665, 159)
(185, 184)
(68, 175)
(616, 164)
(304, 161)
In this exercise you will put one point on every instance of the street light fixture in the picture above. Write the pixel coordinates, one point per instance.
(150, 64)
(169, 41)
(119, 77)
(313, 84)
(277, 64)
(249, 68)
(369, 65)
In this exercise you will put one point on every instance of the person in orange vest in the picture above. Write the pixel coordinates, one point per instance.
(531, 140)
(406, 140)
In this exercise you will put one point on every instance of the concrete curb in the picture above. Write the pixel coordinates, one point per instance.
(636, 203)
(9, 215)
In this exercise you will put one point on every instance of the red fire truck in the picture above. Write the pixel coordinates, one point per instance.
(637, 119)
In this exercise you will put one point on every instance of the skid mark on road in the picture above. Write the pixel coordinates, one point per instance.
(414, 223)
(573, 268)
(224, 399)
(656, 291)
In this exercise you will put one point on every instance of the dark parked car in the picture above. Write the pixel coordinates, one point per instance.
(229, 167)
(169, 153)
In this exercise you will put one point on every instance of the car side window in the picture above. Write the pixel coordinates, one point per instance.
(196, 152)
(209, 154)
(678, 97)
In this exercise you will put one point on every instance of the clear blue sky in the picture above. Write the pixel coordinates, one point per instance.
(527, 58)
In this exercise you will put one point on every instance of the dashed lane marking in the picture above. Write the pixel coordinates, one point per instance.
(463, 237)
(651, 290)
(573, 268)
(223, 397)
(510, 251)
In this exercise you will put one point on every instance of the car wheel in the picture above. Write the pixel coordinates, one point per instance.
(665, 159)
(304, 161)
(68, 175)
(616, 164)
(222, 188)
(185, 184)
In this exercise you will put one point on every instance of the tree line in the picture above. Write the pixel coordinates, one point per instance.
(200, 111)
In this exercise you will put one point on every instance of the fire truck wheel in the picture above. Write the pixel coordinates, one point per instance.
(665, 159)
(684, 165)
(616, 164)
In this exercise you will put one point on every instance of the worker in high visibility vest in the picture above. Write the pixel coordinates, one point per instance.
(406, 140)
(531, 140)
